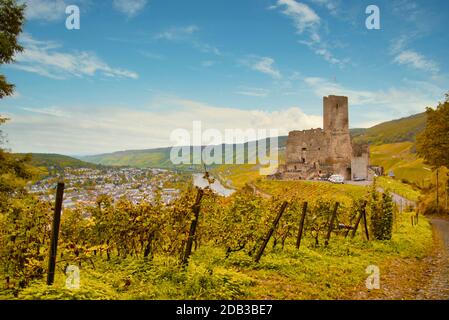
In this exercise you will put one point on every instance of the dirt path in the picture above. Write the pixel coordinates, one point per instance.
(438, 264)
(415, 279)
(400, 200)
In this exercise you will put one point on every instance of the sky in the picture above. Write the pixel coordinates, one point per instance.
(136, 70)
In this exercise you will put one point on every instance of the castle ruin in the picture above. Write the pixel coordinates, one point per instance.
(315, 153)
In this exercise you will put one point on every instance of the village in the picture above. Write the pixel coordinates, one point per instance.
(84, 185)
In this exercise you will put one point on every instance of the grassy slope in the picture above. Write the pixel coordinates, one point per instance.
(57, 160)
(137, 158)
(159, 158)
(335, 272)
(400, 158)
(401, 130)
(402, 189)
(41, 162)
(236, 176)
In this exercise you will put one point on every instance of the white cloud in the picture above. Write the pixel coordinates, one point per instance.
(327, 55)
(331, 5)
(303, 16)
(50, 111)
(401, 101)
(206, 48)
(45, 58)
(306, 20)
(416, 61)
(264, 65)
(208, 63)
(49, 10)
(129, 7)
(253, 92)
(89, 130)
(177, 33)
(186, 34)
(404, 56)
(151, 55)
(323, 87)
(398, 44)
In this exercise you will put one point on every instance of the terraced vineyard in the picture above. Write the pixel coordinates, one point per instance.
(309, 190)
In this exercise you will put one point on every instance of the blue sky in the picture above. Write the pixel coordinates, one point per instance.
(138, 69)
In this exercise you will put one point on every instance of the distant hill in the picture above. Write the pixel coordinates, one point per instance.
(401, 130)
(57, 161)
(156, 158)
(159, 157)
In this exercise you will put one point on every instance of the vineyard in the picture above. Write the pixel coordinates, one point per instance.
(310, 190)
(199, 246)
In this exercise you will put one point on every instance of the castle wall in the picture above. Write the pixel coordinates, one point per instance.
(359, 167)
(315, 152)
(306, 146)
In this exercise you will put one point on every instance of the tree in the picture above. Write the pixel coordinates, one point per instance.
(433, 142)
(11, 24)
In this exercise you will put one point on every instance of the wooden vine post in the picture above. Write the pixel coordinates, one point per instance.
(331, 224)
(55, 234)
(361, 215)
(301, 225)
(270, 232)
(196, 211)
(365, 221)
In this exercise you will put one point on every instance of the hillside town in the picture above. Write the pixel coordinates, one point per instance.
(84, 185)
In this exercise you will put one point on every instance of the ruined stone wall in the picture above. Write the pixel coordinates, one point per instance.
(306, 146)
(314, 152)
(359, 167)
(360, 162)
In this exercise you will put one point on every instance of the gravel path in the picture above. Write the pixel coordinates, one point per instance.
(438, 286)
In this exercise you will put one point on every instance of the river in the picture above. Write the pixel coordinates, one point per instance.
(217, 187)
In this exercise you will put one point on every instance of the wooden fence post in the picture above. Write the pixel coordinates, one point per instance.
(270, 232)
(365, 222)
(196, 211)
(301, 225)
(55, 234)
(362, 212)
(331, 224)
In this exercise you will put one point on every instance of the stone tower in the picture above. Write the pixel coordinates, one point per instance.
(336, 126)
(336, 119)
(319, 152)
